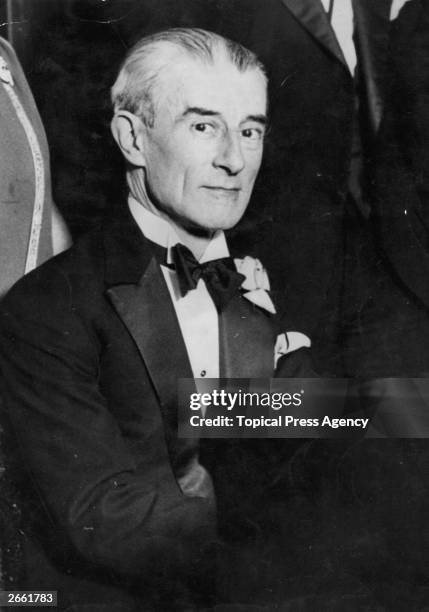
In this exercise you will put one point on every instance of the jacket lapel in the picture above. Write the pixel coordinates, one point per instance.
(147, 311)
(312, 16)
(139, 294)
(372, 39)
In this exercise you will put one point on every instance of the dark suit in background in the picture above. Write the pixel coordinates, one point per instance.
(386, 315)
(354, 265)
(402, 186)
(376, 491)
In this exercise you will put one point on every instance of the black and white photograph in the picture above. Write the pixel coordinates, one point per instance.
(214, 305)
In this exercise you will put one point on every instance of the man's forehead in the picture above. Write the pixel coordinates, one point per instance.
(219, 87)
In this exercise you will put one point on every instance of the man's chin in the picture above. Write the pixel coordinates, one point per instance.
(222, 222)
(208, 224)
(220, 226)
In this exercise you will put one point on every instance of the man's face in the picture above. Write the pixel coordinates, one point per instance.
(204, 150)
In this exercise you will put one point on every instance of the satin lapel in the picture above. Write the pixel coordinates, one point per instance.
(147, 311)
(312, 16)
(279, 299)
(372, 38)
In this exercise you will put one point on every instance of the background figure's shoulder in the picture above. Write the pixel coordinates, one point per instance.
(7, 52)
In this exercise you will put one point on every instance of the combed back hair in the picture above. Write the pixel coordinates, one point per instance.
(140, 72)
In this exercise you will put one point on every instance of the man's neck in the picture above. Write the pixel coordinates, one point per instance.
(195, 243)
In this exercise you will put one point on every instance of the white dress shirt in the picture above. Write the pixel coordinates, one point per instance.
(396, 7)
(196, 312)
(343, 25)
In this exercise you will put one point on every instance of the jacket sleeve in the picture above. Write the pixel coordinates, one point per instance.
(115, 511)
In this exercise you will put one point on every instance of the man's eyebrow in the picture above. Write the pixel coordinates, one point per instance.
(262, 119)
(197, 110)
(206, 112)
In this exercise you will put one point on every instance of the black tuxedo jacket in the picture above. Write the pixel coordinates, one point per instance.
(90, 354)
(388, 297)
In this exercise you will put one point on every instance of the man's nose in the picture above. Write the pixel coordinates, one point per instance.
(229, 155)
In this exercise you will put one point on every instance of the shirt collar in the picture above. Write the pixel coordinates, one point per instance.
(161, 232)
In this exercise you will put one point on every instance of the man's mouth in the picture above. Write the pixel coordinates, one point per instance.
(221, 189)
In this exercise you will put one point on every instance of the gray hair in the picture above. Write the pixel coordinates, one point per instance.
(139, 73)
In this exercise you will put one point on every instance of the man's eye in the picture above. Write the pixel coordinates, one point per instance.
(204, 128)
(254, 134)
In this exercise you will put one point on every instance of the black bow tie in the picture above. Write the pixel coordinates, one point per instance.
(220, 275)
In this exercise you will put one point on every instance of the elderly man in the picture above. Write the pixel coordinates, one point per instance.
(120, 513)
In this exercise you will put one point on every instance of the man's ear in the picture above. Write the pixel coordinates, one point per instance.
(128, 131)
